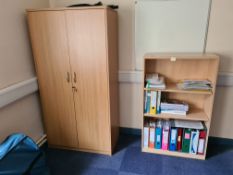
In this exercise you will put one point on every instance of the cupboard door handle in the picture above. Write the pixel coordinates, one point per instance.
(74, 89)
(75, 78)
(68, 77)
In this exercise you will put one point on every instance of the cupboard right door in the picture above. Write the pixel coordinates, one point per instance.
(88, 56)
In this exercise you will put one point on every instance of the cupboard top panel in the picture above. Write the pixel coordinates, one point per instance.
(180, 56)
(69, 8)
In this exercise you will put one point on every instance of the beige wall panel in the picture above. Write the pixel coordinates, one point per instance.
(220, 37)
(130, 105)
(22, 116)
(16, 63)
(221, 125)
(220, 41)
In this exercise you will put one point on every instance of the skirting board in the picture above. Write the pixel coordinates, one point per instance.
(211, 140)
(137, 132)
(42, 140)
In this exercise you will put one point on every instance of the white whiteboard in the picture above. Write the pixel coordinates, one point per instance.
(170, 26)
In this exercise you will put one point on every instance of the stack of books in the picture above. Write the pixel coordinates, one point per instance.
(155, 81)
(175, 135)
(204, 85)
(174, 107)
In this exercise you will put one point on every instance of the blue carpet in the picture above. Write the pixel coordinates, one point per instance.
(129, 160)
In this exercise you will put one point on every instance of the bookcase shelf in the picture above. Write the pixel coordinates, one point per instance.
(175, 67)
(171, 87)
(173, 153)
(193, 115)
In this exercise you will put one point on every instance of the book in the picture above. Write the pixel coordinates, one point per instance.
(152, 134)
(194, 141)
(145, 101)
(159, 94)
(165, 136)
(188, 124)
(173, 139)
(201, 144)
(155, 81)
(194, 85)
(175, 112)
(148, 100)
(157, 86)
(158, 133)
(179, 139)
(174, 105)
(153, 102)
(146, 135)
(186, 140)
(152, 78)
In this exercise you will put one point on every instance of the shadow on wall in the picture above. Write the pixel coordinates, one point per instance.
(131, 95)
(222, 112)
(226, 62)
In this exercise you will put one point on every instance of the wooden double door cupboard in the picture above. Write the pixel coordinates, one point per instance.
(76, 58)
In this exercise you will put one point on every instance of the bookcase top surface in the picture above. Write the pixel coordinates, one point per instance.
(70, 8)
(180, 56)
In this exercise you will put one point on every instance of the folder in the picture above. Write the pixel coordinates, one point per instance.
(179, 139)
(146, 135)
(148, 99)
(158, 133)
(173, 139)
(145, 101)
(153, 102)
(186, 140)
(152, 134)
(165, 136)
(158, 102)
(201, 144)
(194, 141)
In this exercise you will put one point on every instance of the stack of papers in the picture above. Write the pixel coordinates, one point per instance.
(194, 85)
(174, 107)
(188, 124)
(155, 81)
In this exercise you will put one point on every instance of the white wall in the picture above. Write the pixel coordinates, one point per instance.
(170, 26)
(22, 116)
(219, 41)
(16, 65)
(126, 27)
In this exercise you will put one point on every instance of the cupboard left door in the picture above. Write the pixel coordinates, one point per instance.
(50, 49)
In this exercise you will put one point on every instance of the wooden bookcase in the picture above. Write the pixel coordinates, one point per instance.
(175, 67)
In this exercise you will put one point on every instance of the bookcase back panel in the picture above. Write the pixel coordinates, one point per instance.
(173, 71)
(194, 101)
(208, 105)
(212, 73)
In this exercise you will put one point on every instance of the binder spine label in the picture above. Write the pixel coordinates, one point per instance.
(152, 138)
(201, 146)
(146, 137)
(153, 102)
